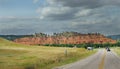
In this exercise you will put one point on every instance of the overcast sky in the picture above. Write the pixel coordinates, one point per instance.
(48, 16)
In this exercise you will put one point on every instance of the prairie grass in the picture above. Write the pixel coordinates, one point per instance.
(117, 50)
(18, 56)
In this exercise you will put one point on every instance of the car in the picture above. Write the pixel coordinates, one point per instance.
(89, 48)
(108, 49)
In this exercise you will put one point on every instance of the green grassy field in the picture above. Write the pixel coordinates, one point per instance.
(18, 56)
(117, 50)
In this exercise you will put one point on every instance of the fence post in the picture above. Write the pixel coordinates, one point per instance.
(66, 53)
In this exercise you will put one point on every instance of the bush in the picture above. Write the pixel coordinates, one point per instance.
(85, 45)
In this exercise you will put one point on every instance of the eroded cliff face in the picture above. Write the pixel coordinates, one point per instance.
(73, 39)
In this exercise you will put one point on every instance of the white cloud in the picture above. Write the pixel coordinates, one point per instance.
(58, 9)
(84, 3)
(35, 1)
(67, 15)
(84, 12)
(51, 12)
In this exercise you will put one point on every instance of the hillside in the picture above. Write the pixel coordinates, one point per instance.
(65, 38)
(5, 42)
(13, 37)
(18, 56)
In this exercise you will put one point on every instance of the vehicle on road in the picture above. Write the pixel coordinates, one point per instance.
(108, 49)
(89, 48)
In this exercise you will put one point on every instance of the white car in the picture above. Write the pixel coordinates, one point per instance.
(90, 48)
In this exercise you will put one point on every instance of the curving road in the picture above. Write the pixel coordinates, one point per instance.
(101, 60)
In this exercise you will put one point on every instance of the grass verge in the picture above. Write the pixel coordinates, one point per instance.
(17, 56)
(117, 50)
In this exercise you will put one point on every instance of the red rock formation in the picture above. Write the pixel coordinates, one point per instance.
(77, 39)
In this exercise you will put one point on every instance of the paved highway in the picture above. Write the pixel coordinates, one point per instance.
(101, 60)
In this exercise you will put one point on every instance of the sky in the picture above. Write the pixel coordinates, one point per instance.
(51, 16)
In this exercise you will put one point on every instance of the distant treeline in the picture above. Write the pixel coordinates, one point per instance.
(13, 37)
(115, 37)
(66, 34)
(85, 45)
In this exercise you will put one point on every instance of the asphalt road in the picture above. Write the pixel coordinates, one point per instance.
(101, 60)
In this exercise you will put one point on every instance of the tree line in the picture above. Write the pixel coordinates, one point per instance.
(85, 45)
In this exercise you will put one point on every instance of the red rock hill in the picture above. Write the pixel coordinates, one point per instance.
(65, 38)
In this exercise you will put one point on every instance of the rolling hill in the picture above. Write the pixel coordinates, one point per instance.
(13, 37)
(18, 56)
(65, 38)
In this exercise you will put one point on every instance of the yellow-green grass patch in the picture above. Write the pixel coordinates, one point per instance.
(18, 56)
(117, 50)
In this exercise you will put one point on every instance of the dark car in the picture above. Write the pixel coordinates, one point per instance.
(108, 49)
